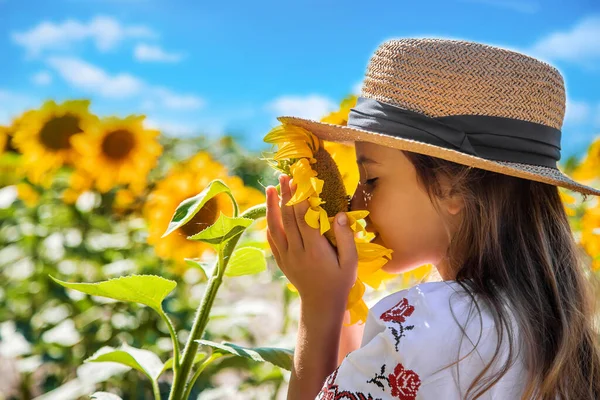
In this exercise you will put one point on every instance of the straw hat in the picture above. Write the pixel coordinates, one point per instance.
(466, 102)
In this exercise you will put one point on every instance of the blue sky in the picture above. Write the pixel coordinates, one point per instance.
(233, 66)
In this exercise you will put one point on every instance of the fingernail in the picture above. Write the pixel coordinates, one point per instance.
(342, 219)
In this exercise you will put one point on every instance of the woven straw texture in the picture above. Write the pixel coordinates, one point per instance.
(443, 77)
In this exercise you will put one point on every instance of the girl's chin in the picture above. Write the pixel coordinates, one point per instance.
(397, 267)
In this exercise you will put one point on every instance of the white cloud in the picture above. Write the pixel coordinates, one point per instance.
(312, 106)
(171, 127)
(579, 44)
(176, 101)
(106, 32)
(357, 88)
(577, 112)
(146, 52)
(95, 80)
(208, 127)
(83, 75)
(42, 78)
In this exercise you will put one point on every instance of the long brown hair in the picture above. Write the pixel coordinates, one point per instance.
(515, 238)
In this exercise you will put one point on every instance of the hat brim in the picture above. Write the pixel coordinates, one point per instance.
(341, 133)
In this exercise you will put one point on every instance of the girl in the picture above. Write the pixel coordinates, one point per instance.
(457, 144)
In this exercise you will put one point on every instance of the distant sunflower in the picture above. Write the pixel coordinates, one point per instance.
(118, 151)
(186, 180)
(28, 194)
(44, 137)
(79, 182)
(589, 169)
(590, 234)
(7, 134)
(340, 117)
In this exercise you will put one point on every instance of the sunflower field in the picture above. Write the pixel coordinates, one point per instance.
(135, 265)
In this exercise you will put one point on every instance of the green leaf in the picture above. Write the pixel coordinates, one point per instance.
(105, 396)
(224, 229)
(149, 290)
(282, 358)
(189, 207)
(200, 356)
(206, 268)
(144, 361)
(246, 261)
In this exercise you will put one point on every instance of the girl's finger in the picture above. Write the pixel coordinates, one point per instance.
(274, 249)
(275, 226)
(294, 238)
(309, 235)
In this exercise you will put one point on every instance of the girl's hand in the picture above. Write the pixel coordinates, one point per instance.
(322, 276)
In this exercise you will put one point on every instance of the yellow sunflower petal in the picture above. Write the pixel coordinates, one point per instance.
(358, 313)
(286, 133)
(325, 226)
(376, 278)
(312, 218)
(295, 149)
(371, 251)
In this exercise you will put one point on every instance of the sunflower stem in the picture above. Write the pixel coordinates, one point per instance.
(180, 380)
(196, 375)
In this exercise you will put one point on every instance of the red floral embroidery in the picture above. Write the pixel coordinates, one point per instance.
(404, 383)
(398, 315)
(399, 312)
(330, 391)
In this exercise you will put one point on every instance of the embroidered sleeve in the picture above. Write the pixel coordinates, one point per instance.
(377, 370)
(410, 341)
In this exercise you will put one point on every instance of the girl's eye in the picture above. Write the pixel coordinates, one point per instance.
(370, 181)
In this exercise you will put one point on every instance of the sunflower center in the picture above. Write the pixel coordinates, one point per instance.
(118, 144)
(207, 216)
(56, 133)
(334, 191)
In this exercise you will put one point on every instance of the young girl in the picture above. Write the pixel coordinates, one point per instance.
(457, 144)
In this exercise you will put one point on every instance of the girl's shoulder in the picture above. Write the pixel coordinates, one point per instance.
(411, 335)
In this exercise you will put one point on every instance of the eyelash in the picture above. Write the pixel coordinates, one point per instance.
(370, 181)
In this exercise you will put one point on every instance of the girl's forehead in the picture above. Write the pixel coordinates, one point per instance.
(372, 153)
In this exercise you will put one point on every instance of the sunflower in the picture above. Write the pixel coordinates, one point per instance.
(183, 181)
(589, 168)
(44, 137)
(28, 194)
(303, 157)
(79, 182)
(590, 234)
(118, 151)
(340, 117)
(345, 158)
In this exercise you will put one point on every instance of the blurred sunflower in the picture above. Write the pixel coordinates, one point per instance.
(79, 182)
(183, 181)
(590, 234)
(7, 134)
(28, 194)
(589, 168)
(118, 151)
(44, 137)
(340, 117)
(568, 201)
